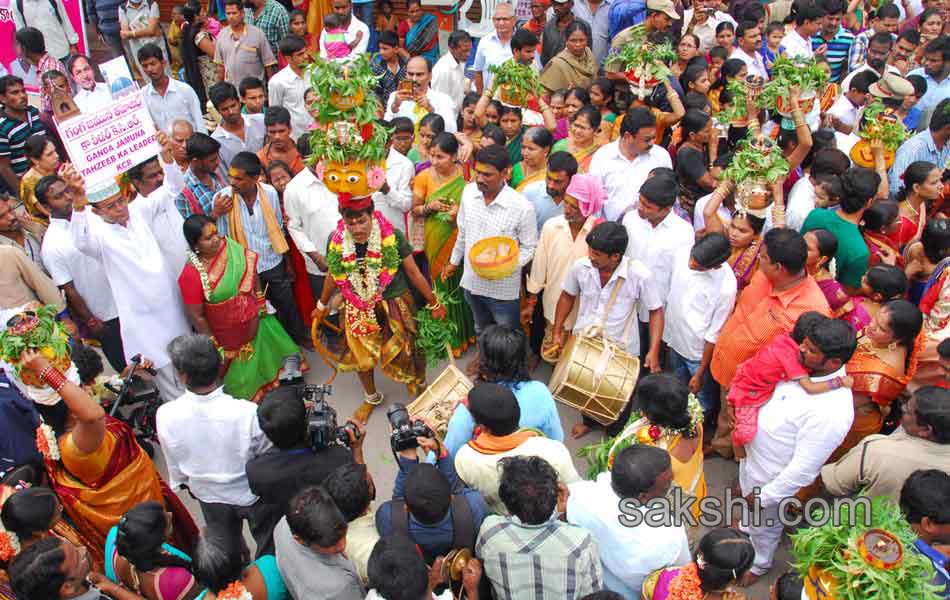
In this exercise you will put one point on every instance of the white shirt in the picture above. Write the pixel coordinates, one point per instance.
(845, 111)
(509, 215)
(800, 202)
(480, 471)
(441, 104)
(89, 101)
(583, 280)
(707, 31)
(754, 62)
(312, 215)
(144, 288)
(179, 102)
(350, 35)
(655, 248)
(207, 441)
(491, 51)
(159, 211)
(697, 307)
(231, 144)
(287, 89)
(58, 34)
(628, 554)
(395, 204)
(699, 220)
(622, 177)
(448, 77)
(65, 263)
(846, 84)
(796, 46)
(797, 432)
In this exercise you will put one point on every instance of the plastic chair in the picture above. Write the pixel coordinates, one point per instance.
(483, 28)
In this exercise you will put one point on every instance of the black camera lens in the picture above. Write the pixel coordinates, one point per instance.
(398, 415)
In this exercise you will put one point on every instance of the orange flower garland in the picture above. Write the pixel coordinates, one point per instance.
(686, 585)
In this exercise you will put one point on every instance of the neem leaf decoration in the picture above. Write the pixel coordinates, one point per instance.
(878, 123)
(647, 59)
(520, 80)
(786, 72)
(40, 331)
(756, 158)
(345, 89)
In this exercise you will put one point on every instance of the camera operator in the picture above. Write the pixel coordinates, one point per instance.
(430, 506)
(293, 463)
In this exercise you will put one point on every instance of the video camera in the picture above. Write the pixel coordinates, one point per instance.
(322, 428)
(405, 430)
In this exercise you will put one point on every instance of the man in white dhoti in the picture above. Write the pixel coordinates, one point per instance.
(143, 285)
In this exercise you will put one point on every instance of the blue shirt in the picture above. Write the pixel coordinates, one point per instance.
(537, 412)
(913, 118)
(839, 51)
(940, 563)
(436, 539)
(936, 91)
(920, 147)
(197, 192)
(18, 423)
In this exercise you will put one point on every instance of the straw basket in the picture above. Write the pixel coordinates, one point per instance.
(494, 257)
(436, 404)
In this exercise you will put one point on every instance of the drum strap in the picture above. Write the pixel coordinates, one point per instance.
(610, 304)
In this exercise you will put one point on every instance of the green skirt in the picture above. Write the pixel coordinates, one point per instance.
(250, 376)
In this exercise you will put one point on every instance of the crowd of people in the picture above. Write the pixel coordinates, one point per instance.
(808, 340)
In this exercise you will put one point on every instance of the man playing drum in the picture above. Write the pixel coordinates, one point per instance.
(610, 285)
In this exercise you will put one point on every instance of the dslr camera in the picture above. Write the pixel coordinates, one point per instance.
(322, 428)
(405, 430)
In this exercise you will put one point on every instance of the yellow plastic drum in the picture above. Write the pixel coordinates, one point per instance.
(494, 257)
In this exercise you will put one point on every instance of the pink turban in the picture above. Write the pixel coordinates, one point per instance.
(589, 192)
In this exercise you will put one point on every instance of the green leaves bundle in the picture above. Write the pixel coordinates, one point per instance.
(737, 111)
(326, 145)
(433, 336)
(598, 455)
(750, 162)
(48, 336)
(652, 59)
(891, 131)
(521, 80)
(833, 548)
(347, 80)
(786, 72)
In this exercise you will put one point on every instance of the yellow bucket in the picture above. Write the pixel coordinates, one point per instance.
(494, 257)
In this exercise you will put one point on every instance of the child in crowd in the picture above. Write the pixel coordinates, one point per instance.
(757, 377)
(334, 37)
(717, 57)
(788, 586)
(386, 20)
(882, 283)
(880, 227)
(771, 44)
(90, 370)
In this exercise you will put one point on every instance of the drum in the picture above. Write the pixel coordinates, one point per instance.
(436, 404)
(596, 377)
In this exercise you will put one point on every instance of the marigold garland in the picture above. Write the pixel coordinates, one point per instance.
(9, 545)
(234, 591)
(46, 442)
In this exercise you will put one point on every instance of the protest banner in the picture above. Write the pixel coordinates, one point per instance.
(111, 140)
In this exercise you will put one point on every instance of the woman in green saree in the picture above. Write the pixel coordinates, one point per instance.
(223, 299)
(436, 195)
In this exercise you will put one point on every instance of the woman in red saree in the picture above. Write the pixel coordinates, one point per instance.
(881, 229)
(922, 188)
(95, 465)
(222, 296)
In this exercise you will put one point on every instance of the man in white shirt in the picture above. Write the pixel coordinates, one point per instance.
(797, 432)
(490, 208)
(607, 507)
(797, 41)
(394, 199)
(624, 165)
(344, 8)
(312, 216)
(144, 287)
(749, 41)
(51, 18)
(496, 47)
(288, 87)
(702, 19)
(81, 277)
(847, 109)
(237, 132)
(158, 184)
(703, 292)
(448, 74)
(168, 99)
(206, 418)
(496, 410)
(656, 233)
(403, 103)
(90, 94)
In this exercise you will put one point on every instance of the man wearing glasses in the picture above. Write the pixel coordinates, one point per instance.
(496, 48)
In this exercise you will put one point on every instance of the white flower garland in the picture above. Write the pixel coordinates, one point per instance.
(202, 273)
(365, 281)
(52, 444)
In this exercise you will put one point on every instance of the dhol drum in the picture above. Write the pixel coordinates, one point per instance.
(595, 376)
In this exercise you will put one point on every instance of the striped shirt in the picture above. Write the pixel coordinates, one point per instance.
(13, 136)
(838, 53)
(255, 227)
(198, 193)
(550, 561)
(274, 21)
